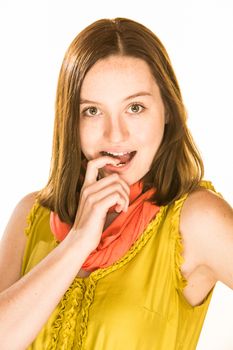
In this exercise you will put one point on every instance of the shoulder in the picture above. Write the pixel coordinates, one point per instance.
(206, 226)
(20, 212)
(13, 241)
(202, 209)
(25, 203)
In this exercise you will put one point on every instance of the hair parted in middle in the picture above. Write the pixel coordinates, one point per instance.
(177, 167)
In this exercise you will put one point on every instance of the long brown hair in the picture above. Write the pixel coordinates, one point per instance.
(177, 167)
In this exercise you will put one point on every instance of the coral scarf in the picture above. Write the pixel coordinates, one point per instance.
(120, 235)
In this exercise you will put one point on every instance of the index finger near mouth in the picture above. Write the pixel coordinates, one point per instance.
(94, 165)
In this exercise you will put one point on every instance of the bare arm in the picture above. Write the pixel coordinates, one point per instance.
(13, 242)
(207, 230)
(34, 291)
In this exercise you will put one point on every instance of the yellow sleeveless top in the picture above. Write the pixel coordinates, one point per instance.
(135, 304)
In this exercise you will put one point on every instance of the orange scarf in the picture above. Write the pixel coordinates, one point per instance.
(120, 235)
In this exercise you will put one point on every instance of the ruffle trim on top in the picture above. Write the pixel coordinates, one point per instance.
(89, 297)
(135, 248)
(61, 328)
(31, 217)
(180, 280)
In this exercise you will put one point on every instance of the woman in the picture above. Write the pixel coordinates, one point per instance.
(125, 243)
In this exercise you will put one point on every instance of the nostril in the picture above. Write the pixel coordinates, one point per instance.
(117, 131)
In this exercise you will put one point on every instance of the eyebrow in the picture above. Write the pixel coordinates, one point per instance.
(138, 94)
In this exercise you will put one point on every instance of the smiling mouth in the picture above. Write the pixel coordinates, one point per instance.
(123, 157)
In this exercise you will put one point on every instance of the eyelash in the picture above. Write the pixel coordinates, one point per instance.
(84, 112)
(138, 104)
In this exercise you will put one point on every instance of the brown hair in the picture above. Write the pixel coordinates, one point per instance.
(177, 167)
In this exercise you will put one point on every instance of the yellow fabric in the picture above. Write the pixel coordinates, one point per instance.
(134, 304)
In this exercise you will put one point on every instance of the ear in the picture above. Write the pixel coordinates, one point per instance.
(166, 118)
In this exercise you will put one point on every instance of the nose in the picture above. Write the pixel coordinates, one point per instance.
(116, 129)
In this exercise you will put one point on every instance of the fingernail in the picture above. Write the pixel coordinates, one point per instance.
(113, 160)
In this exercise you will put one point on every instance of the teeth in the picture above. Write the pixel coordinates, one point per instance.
(117, 154)
(119, 165)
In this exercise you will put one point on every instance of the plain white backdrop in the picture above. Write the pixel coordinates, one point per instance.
(198, 36)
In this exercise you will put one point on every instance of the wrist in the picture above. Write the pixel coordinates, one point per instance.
(78, 239)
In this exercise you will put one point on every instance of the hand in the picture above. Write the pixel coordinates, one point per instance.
(96, 197)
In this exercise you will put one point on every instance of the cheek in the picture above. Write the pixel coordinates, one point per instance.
(84, 140)
(89, 139)
(151, 139)
(151, 134)
(87, 134)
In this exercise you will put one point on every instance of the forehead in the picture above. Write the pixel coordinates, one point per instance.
(117, 74)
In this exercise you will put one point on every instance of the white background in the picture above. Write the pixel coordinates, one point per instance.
(198, 36)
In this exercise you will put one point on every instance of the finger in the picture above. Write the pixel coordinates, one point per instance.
(103, 205)
(106, 191)
(94, 165)
(102, 188)
(109, 180)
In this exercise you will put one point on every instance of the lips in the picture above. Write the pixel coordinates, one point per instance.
(124, 157)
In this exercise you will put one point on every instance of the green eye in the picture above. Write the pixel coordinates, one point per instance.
(90, 111)
(136, 108)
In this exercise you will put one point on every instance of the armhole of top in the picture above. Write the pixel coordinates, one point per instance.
(31, 218)
(28, 233)
(178, 259)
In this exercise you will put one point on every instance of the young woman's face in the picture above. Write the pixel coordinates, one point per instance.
(121, 111)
